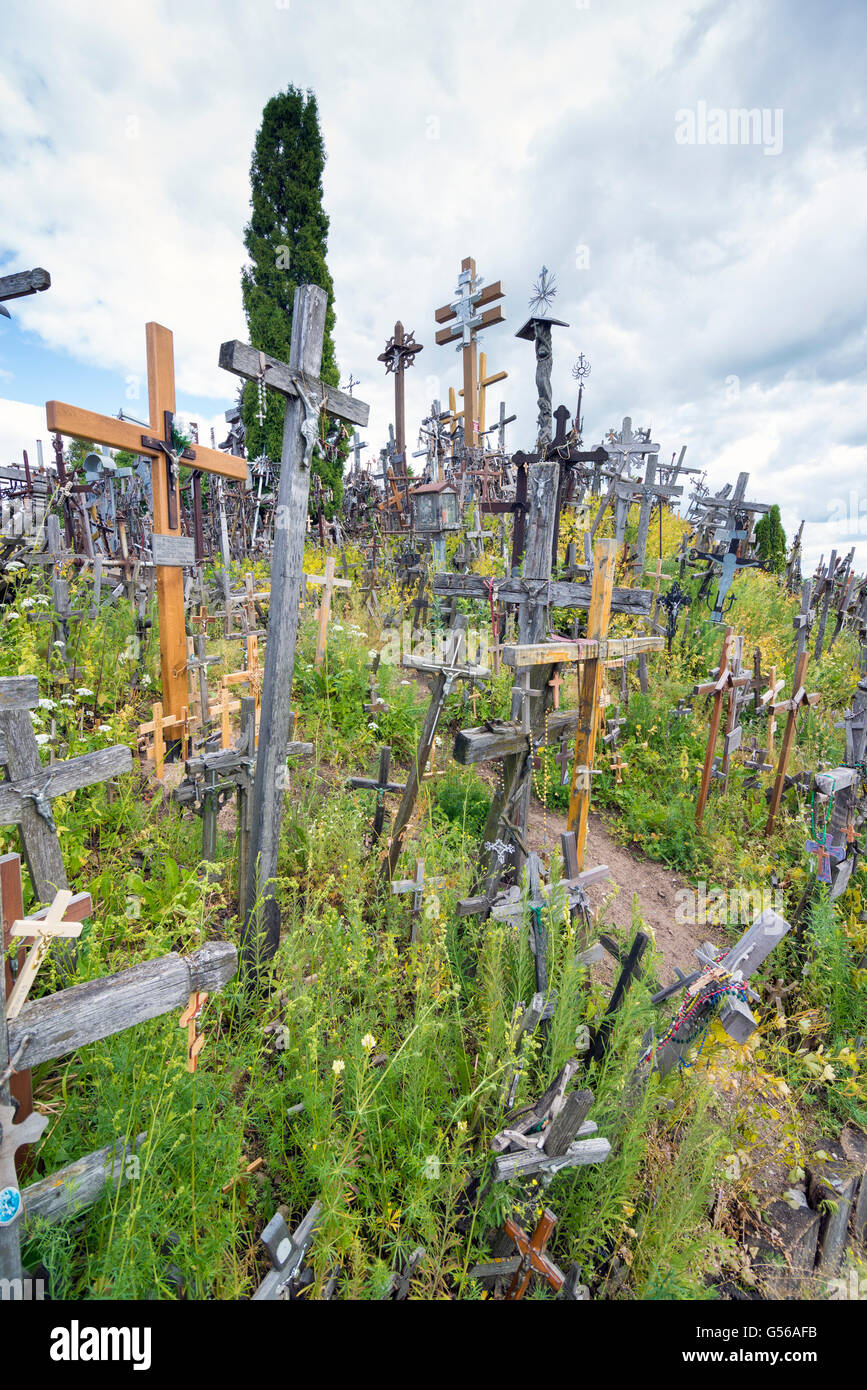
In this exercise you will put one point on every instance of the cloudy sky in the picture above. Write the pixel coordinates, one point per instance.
(718, 288)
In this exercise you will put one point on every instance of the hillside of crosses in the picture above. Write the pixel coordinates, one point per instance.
(420, 853)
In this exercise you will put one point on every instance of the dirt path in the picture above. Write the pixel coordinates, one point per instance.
(653, 884)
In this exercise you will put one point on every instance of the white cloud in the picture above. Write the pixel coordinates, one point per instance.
(514, 132)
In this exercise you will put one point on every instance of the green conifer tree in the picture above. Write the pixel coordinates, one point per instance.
(286, 240)
(771, 541)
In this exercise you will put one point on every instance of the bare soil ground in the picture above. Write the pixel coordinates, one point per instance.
(636, 883)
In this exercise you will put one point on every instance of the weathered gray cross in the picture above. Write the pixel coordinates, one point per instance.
(298, 380)
(29, 788)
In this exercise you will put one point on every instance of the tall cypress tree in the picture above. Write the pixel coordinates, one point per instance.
(771, 541)
(286, 240)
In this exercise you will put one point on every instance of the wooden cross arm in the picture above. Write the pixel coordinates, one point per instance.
(123, 434)
(18, 692)
(487, 296)
(488, 317)
(243, 360)
(323, 579)
(63, 777)
(78, 909)
(80, 1183)
(24, 282)
(559, 593)
(72, 1018)
(584, 649)
(481, 744)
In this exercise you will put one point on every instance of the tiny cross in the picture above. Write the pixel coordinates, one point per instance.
(555, 682)
(533, 1257)
(44, 929)
(195, 1039)
(824, 854)
(617, 765)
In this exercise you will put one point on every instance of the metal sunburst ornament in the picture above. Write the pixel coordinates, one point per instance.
(544, 291)
(581, 370)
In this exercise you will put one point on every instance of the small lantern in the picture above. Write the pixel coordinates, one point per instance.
(435, 508)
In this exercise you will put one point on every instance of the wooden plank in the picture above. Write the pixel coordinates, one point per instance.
(60, 778)
(537, 653)
(72, 1018)
(566, 1123)
(78, 1184)
(243, 360)
(24, 282)
(559, 593)
(479, 745)
(19, 692)
(582, 1152)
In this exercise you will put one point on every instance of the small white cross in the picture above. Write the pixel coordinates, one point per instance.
(44, 929)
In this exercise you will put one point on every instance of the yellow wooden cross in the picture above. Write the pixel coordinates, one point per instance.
(124, 434)
(44, 929)
(484, 381)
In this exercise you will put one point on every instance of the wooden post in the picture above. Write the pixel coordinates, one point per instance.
(716, 715)
(799, 698)
(590, 689)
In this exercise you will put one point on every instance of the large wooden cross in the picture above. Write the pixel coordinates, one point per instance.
(156, 443)
(307, 396)
(470, 316)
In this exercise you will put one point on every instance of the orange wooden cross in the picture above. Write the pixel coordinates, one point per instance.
(152, 443)
(533, 1257)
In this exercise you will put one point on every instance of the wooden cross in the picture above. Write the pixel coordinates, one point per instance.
(445, 674)
(12, 1136)
(380, 785)
(533, 1257)
(64, 1023)
(299, 381)
(466, 320)
(400, 353)
(592, 673)
(188, 1019)
(27, 793)
(617, 765)
(157, 444)
(555, 682)
(152, 736)
(44, 928)
(12, 908)
(742, 961)
(798, 701)
(484, 381)
(416, 886)
(329, 584)
(727, 683)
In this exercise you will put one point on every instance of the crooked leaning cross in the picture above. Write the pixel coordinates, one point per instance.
(157, 444)
(307, 396)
